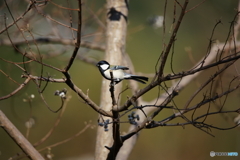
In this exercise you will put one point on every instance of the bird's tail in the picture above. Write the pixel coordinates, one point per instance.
(140, 79)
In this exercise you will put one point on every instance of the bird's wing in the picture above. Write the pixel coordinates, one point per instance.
(119, 67)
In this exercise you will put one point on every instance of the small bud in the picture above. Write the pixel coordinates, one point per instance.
(30, 123)
(61, 93)
(32, 96)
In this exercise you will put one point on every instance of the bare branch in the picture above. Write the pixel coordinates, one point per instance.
(77, 44)
(16, 90)
(20, 140)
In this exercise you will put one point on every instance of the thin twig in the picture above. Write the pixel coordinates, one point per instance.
(16, 90)
(77, 44)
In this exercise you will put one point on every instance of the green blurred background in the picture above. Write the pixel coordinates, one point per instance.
(144, 45)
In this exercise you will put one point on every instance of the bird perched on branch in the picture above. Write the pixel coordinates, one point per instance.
(118, 73)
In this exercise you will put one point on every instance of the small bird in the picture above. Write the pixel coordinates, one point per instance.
(118, 73)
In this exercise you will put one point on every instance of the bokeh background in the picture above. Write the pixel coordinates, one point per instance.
(144, 45)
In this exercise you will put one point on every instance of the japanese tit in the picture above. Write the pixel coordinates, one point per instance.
(118, 73)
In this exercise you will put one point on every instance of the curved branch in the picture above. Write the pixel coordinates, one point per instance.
(16, 90)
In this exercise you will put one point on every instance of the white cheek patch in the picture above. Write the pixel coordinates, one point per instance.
(104, 66)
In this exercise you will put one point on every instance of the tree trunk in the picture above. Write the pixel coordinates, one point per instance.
(115, 49)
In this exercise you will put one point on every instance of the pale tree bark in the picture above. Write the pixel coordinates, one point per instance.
(115, 49)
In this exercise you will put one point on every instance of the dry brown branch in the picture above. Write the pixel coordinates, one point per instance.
(180, 85)
(17, 136)
(54, 40)
(10, 78)
(117, 139)
(78, 42)
(68, 139)
(171, 42)
(53, 20)
(62, 6)
(85, 97)
(16, 90)
(29, 7)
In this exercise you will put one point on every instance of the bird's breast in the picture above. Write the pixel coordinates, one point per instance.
(117, 74)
